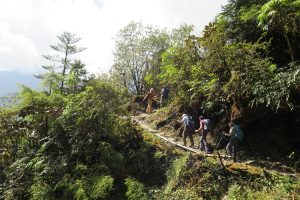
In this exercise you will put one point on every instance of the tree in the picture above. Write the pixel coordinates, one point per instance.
(65, 48)
(76, 76)
(180, 34)
(241, 17)
(50, 79)
(136, 50)
(284, 16)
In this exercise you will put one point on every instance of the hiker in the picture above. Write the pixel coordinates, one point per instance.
(236, 136)
(189, 128)
(205, 127)
(164, 96)
(150, 97)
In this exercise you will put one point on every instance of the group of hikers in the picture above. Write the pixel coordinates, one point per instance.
(151, 95)
(205, 126)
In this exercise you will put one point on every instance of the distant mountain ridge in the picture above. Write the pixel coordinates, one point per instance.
(9, 81)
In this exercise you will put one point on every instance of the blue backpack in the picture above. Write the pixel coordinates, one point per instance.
(165, 93)
(207, 124)
(239, 133)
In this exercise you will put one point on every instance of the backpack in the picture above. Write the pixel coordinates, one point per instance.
(165, 93)
(191, 123)
(239, 133)
(207, 124)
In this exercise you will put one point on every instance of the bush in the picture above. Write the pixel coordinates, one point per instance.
(103, 187)
(40, 191)
(63, 190)
(80, 193)
(176, 171)
(237, 191)
(135, 190)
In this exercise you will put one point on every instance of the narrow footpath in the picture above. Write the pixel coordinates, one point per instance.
(160, 134)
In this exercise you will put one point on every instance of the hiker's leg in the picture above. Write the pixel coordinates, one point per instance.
(201, 145)
(234, 149)
(150, 105)
(184, 136)
(204, 135)
(191, 137)
(229, 148)
(164, 101)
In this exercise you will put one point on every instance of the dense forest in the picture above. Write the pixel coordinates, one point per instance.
(76, 140)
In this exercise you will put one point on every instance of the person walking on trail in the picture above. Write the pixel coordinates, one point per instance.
(236, 136)
(189, 129)
(203, 130)
(164, 96)
(150, 97)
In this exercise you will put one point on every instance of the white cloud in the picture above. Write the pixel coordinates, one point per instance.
(17, 52)
(27, 28)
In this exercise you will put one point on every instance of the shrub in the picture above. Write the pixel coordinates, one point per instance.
(40, 191)
(102, 188)
(80, 193)
(135, 190)
(175, 172)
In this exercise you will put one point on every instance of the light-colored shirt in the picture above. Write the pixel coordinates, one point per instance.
(185, 121)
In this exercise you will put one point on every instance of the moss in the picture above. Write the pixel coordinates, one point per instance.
(241, 168)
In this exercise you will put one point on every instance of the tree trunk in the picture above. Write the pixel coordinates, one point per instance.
(64, 72)
(289, 45)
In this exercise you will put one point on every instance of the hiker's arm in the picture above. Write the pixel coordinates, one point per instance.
(146, 97)
(228, 134)
(200, 128)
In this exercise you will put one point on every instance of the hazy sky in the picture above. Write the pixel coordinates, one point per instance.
(28, 27)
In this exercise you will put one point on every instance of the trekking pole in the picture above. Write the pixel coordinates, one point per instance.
(219, 156)
(219, 141)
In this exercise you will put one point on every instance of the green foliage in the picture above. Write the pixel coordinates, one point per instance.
(56, 79)
(276, 90)
(80, 193)
(76, 143)
(41, 191)
(176, 171)
(239, 192)
(103, 188)
(282, 15)
(178, 63)
(136, 54)
(77, 77)
(63, 190)
(18, 174)
(110, 157)
(135, 190)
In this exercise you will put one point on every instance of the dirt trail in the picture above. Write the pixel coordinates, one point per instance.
(170, 140)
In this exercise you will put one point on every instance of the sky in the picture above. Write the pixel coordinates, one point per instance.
(29, 27)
